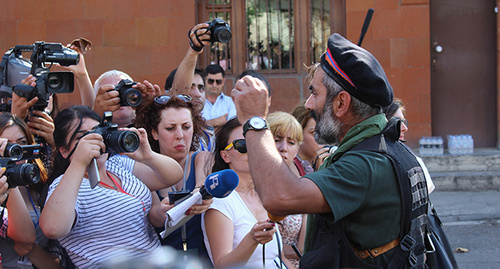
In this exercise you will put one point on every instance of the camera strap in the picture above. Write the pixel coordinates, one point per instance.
(195, 48)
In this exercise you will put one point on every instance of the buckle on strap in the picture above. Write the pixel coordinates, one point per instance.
(407, 243)
(374, 252)
(412, 259)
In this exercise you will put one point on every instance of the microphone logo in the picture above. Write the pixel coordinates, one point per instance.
(215, 181)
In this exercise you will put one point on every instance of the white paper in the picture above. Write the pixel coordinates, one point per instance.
(176, 217)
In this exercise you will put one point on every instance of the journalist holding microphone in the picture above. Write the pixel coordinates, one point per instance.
(111, 220)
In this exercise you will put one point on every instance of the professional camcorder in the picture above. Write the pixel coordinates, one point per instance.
(220, 31)
(15, 68)
(23, 173)
(128, 96)
(116, 141)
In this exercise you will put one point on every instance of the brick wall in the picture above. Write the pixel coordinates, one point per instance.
(147, 39)
(399, 37)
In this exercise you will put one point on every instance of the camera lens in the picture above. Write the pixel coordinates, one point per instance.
(130, 141)
(54, 82)
(22, 174)
(223, 34)
(13, 151)
(134, 98)
(131, 97)
(122, 141)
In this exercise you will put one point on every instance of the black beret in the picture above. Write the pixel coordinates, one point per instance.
(356, 71)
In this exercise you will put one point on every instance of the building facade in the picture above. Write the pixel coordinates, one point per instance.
(439, 55)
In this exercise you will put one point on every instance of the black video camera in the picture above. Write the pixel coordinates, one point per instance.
(116, 141)
(16, 68)
(220, 31)
(24, 173)
(128, 95)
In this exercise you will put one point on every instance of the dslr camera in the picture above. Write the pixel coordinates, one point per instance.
(15, 68)
(128, 95)
(220, 31)
(21, 174)
(116, 141)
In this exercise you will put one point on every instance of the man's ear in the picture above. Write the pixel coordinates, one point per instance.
(341, 104)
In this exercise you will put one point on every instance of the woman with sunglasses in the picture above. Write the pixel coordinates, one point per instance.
(236, 228)
(287, 133)
(108, 221)
(174, 128)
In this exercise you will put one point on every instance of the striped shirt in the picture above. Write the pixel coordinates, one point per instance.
(110, 224)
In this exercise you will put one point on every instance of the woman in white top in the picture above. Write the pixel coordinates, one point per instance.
(236, 228)
(110, 220)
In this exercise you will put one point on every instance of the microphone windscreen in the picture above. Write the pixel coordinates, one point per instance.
(220, 184)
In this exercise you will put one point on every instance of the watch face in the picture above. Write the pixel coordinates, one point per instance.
(257, 123)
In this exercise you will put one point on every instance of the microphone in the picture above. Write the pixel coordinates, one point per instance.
(219, 185)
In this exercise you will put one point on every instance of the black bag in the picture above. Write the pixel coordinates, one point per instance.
(442, 256)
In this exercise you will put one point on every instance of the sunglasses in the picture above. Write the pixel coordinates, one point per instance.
(239, 144)
(404, 121)
(211, 81)
(163, 99)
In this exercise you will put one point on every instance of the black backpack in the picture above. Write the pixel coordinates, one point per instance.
(333, 249)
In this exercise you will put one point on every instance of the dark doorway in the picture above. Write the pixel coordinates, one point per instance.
(463, 74)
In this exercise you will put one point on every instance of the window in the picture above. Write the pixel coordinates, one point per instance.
(272, 36)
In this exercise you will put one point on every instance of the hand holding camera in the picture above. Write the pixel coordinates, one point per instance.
(42, 125)
(19, 174)
(210, 32)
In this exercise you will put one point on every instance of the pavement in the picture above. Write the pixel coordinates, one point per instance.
(471, 220)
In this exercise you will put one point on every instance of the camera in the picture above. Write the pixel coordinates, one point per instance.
(128, 95)
(116, 141)
(13, 151)
(24, 173)
(220, 31)
(17, 68)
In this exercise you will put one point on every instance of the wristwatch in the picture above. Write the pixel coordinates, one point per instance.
(255, 123)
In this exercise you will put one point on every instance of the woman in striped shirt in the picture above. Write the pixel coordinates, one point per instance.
(111, 220)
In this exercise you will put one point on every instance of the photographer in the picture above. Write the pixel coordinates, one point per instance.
(14, 130)
(107, 99)
(82, 76)
(110, 220)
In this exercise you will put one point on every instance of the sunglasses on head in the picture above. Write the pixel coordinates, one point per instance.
(211, 81)
(163, 99)
(239, 144)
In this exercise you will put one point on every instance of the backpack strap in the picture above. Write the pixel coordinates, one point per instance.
(413, 193)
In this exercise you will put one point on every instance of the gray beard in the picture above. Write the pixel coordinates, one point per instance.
(328, 126)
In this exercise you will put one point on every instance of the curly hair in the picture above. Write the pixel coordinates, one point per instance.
(148, 116)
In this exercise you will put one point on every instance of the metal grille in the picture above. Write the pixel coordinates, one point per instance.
(320, 27)
(220, 53)
(270, 33)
